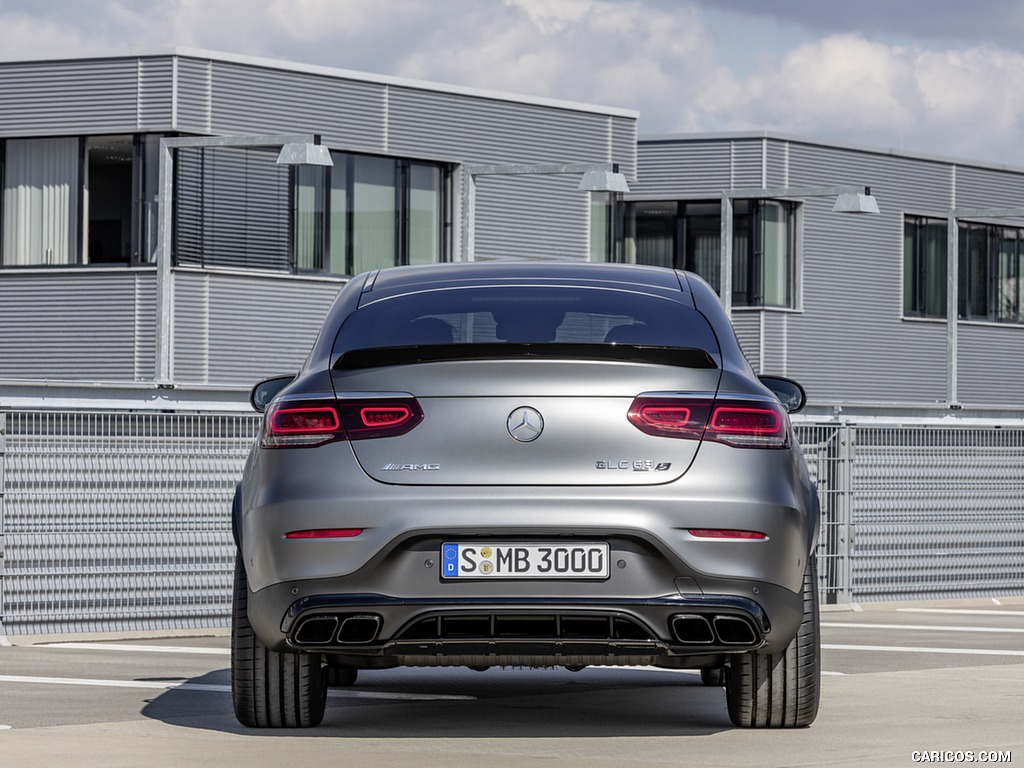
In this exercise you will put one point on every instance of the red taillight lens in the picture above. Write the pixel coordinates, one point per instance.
(380, 418)
(300, 425)
(749, 424)
(740, 423)
(305, 425)
(669, 417)
(726, 533)
(325, 533)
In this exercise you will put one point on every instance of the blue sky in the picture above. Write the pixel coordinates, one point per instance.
(941, 77)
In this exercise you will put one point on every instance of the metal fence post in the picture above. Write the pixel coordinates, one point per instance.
(832, 464)
(3, 549)
(845, 472)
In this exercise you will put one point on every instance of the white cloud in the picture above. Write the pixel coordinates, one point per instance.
(958, 102)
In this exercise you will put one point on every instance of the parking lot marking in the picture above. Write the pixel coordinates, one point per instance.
(168, 686)
(845, 625)
(139, 648)
(912, 649)
(961, 611)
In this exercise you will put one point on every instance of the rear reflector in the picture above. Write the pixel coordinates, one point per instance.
(725, 533)
(325, 533)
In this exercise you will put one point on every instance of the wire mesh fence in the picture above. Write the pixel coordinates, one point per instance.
(918, 511)
(121, 521)
(118, 521)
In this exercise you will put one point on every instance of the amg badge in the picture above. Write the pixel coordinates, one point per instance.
(410, 468)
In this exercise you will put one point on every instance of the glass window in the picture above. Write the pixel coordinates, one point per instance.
(107, 208)
(530, 315)
(309, 201)
(777, 262)
(924, 267)
(688, 235)
(1008, 305)
(974, 271)
(368, 212)
(76, 200)
(424, 214)
(374, 213)
(991, 259)
(600, 226)
(41, 193)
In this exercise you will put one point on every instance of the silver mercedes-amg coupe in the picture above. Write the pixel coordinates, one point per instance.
(528, 464)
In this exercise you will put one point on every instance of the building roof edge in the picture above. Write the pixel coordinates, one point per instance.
(316, 69)
(668, 138)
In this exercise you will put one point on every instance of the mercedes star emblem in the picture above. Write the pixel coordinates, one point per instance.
(525, 424)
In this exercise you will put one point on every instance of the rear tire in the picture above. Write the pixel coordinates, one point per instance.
(780, 690)
(271, 689)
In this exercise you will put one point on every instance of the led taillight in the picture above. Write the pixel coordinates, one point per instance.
(740, 423)
(380, 418)
(305, 425)
(749, 424)
(668, 417)
(300, 425)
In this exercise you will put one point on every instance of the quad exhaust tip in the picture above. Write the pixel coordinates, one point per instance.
(331, 629)
(696, 629)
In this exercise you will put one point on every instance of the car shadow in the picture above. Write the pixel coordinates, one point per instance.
(460, 703)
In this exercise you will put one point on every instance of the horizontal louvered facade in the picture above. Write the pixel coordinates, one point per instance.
(847, 338)
(248, 316)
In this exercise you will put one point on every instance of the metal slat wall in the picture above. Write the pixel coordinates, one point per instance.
(69, 97)
(255, 99)
(539, 218)
(516, 217)
(145, 325)
(155, 100)
(673, 168)
(86, 327)
(748, 331)
(244, 328)
(853, 288)
(194, 105)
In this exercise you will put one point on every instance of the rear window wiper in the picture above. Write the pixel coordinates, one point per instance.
(682, 357)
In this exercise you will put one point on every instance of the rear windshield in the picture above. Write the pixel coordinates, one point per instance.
(525, 315)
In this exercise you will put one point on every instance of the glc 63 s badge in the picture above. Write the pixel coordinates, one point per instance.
(645, 465)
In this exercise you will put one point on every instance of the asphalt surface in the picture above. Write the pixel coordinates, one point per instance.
(945, 680)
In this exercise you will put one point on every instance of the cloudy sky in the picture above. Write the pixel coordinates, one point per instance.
(941, 77)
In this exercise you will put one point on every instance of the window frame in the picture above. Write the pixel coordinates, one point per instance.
(979, 271)
(750, 260)
(79, 215)
(403, 210)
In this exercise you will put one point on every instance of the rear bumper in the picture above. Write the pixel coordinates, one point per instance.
(372, 630)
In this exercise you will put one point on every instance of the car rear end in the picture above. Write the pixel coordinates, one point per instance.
(497, 467)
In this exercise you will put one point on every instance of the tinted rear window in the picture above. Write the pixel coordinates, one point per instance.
(525, 314)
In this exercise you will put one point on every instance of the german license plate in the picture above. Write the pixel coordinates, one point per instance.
(512, 560)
